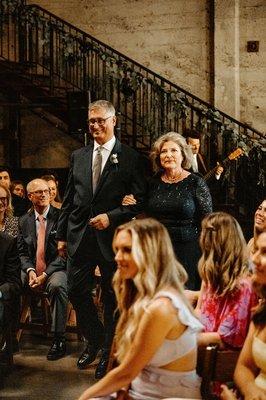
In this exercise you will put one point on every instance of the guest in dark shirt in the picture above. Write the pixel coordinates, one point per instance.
(178, 199)
(10, 283)
(17, 187)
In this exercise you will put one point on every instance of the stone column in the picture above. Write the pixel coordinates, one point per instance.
(226, 44)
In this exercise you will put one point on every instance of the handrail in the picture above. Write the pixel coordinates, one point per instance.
(165, 80)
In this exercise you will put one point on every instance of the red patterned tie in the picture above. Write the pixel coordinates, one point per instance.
(40, 258)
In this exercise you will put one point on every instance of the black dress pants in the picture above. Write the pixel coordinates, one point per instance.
(80, 270)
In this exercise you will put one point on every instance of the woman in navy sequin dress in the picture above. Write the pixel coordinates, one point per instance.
(178, 199)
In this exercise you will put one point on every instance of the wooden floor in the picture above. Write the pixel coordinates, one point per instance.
(35, 378)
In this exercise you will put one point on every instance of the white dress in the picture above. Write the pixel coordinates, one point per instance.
(154, 382)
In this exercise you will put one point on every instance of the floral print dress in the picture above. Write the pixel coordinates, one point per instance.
(228, 315)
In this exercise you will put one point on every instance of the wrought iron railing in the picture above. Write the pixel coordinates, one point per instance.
(62, 57)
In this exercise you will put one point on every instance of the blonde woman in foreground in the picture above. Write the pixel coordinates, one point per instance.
(156, 335)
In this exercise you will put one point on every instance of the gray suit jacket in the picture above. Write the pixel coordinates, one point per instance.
(27, 242)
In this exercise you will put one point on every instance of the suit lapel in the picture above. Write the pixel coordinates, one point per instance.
(49, 225)
(32, 228)
(87, 167)
(108, 166)
(202, 163)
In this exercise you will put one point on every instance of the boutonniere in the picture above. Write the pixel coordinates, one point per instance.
(114, 159)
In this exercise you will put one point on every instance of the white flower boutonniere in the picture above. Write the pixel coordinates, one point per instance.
(114, 159)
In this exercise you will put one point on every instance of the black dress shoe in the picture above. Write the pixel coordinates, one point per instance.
(57, 350)
(88, 356)
(101, 368)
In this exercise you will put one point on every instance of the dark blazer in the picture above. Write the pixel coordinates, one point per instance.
(202, 165)
(27, 242)
(80, 204)
(10, 282)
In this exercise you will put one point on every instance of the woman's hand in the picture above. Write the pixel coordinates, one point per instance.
(129, 200)
(227, 394)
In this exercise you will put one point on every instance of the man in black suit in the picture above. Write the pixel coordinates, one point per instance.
(198, 162)
(42, 268)
(10, 283)
(100, 175)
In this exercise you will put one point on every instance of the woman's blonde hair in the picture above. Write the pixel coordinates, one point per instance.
(171, 137)
(224, 253)
(9, 209)
(157, 266)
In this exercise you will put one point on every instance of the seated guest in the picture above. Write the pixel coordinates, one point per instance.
(250, 373)
(226, 296)
(156, 344)
(42, 268)
(8, 223)
(10, 283)
(259, 226)
(19, 204)
(55, 200)
(17, 187)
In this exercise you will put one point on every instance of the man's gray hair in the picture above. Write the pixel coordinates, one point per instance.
(33, 182)
(106, 105)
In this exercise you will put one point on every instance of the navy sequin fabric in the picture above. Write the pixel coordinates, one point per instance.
(180, 207)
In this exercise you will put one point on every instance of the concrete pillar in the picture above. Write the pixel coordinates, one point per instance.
(226, 44)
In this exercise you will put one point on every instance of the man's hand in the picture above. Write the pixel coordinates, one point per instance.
(100, 222)
(62, 249)
(219, 169)
(36, 282)
(129, 200)
(32, 277)
(39, 282)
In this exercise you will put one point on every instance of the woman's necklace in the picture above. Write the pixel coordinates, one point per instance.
(172, 179)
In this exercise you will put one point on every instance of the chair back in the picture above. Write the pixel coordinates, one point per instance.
(215, 365)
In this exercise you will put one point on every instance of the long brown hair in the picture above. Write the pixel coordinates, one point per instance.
(224, 253)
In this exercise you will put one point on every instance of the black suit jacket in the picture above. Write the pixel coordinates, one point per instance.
(80, 204)
(10, 282)
(27, 242)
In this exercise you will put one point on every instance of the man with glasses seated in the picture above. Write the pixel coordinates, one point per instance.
(42, 268)
(101, 174)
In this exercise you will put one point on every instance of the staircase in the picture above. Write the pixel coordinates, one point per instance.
(47, 57)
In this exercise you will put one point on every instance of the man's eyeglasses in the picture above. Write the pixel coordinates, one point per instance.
(40, 192)
(3, 199)
(99, 121)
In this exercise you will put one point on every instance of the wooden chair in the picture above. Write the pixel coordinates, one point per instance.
(215, 365)
(6, 363)
(44, 325)
(26, 318)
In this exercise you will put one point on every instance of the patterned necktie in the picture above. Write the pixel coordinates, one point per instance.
(97, 168)
(40, 257)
